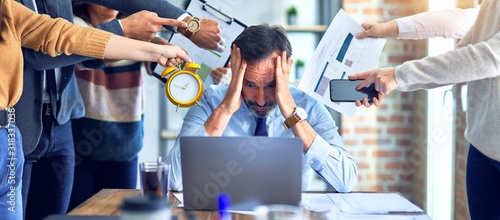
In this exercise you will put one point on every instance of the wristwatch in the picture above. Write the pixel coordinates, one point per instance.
(298, 115)
(193, 25)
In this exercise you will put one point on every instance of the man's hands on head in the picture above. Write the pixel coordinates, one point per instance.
(217, 122)
(144, 25)
(385, 82)
(233, 99)
(209, 36)
(283, 95)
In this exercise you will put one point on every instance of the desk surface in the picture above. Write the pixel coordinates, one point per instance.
(108, 201)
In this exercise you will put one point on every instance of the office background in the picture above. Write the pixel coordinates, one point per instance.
(412, 144)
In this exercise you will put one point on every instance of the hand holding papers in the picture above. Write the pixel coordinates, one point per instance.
(338, 55)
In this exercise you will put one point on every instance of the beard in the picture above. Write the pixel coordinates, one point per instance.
(253, 107)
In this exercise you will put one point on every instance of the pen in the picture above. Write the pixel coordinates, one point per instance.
(224, 203)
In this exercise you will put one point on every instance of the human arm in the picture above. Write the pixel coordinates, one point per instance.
(133, 27)
(469, 63)
(41, 61)
(449, 23)
(144, 25)
(323, 147)
(58, 36)
(208, 37)
(218, 120)
(143, 51)
(287, 104)
(327, 154)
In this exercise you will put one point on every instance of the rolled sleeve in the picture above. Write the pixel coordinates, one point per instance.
(333, 164)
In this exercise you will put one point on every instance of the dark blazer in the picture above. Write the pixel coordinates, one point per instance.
(29, 107)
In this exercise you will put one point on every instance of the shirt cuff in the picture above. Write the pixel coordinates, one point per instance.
(406, 28)
(121, 26)
(318, 153)
(180, 19)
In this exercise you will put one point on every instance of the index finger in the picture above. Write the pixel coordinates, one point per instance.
(183, 55)
(367, 76)
(171, 22)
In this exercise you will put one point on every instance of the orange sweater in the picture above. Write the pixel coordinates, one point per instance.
(39, 32)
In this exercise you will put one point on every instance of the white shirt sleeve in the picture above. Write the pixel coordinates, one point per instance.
(174, 28)
(450, 23)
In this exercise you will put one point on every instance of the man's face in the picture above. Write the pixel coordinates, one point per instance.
(259, 86)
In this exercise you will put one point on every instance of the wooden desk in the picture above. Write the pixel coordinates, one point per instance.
(108, 201)
(105, 202)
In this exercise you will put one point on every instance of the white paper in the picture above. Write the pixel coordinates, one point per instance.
(359, 206)
(372, 203)
(338, 55)
(317, 202)
(179, 197)
(380, 217)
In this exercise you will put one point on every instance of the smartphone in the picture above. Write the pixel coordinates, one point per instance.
(342, 90)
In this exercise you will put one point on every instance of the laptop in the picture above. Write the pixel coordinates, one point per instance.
(251, 170)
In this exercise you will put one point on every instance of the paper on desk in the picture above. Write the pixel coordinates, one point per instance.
(372, 203)
(380, 217)
(179, 197)
(338, 55)
(317, 202)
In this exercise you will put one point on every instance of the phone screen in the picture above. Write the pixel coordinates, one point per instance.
(342, 90)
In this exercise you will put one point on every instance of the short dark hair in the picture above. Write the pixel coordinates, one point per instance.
(260, 41)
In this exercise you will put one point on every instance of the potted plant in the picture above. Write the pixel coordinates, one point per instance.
(291, 14)
(299, 68)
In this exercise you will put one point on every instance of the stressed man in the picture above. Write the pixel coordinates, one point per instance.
(259, 101)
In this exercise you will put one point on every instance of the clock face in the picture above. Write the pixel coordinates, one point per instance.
(185, 89)
(193, 25)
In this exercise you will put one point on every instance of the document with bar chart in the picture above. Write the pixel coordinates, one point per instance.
(338, 55)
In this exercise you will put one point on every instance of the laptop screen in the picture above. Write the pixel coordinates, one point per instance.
(251, 170)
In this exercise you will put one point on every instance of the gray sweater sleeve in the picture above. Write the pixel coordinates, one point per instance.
(469, 63)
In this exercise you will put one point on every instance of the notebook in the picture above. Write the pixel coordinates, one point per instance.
(251, 170)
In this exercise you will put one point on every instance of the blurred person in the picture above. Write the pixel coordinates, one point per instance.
(45, 120)
(119, 125)
(476, 60)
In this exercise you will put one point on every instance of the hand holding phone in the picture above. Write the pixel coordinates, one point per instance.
(342, 90)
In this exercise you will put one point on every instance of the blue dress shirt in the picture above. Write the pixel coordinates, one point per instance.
(327, 154)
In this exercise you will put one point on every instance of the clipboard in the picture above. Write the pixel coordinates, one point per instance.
(208, 59)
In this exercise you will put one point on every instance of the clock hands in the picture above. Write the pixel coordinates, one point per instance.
(182, 87)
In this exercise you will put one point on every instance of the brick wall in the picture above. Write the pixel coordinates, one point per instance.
(461, 211)
(461, 149)
(389, 142)
(385, 140)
